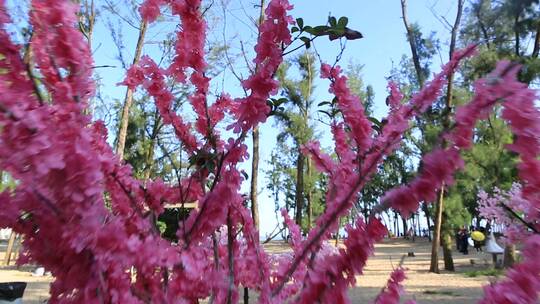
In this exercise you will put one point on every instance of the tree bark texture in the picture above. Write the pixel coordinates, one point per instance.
(128, 100)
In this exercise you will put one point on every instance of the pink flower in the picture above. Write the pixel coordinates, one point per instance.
(393, 290)
(149, 9)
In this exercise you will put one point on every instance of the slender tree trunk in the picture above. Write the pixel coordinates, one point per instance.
(435, 242)
(405, 227)
(87, 20)
(446, 242)
(426, 214)
(516, 35)
(434, 266)
(481, 24)
(396, 224)
(509, 256)
(308, 196)
(254, 178)
(418, 229)
(10, 246)
(255, 166)
(149, 160)
(412, 43)
(299, 195)
(536, 48)
(255, 152)
(447, 251)
(128, 100)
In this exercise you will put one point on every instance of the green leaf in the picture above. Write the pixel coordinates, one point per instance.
(319, 30)
(300, 22)
(376, 128)
(294, 29)
(246, 176)
(342, 22)
(278, 102)
(324, 112)
(332, 21)
(324, 103)
(306, 41)
(374, 121)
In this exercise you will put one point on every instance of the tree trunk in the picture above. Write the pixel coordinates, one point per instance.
(418, 229)
(509, 256)
(10, 246)
(405, 228)
(481, 24)
(447, 252)
(254, 177)
(128, 100)
(412, 43)
(536, 48)
(299, 195)
(308, 197)
(87, 19)
(434, 266)
(396, 224)
(149, 160)
(426, 213)
(446, 240)
(516, 35)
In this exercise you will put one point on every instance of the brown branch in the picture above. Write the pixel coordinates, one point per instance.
(412, 43)
(271, 237)
(519, 218)
(128, 100)
(483, 29)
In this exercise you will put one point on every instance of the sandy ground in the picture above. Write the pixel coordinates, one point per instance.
(421, 285)
(424, 287)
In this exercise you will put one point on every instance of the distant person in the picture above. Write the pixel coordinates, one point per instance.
(464, 241)
(477, 243)
(410, 234)
(458, 240)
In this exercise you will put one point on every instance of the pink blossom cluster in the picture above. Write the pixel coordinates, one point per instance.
(391, 293)
(496, 209)
(273, 35)
(350, 106)
(152, 78)
(522, 282)
(85, 217)
(348, 174)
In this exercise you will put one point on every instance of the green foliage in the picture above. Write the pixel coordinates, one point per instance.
(334, 29)
(503, 29)
(358, 88)
(455, 213)
(6, 182)
(491, 272)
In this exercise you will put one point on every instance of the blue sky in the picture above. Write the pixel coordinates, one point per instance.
(383, 45)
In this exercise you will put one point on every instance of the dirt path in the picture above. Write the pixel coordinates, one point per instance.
(444, 288)
(425, 287)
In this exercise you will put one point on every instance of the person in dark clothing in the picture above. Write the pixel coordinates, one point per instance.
(478, 245)
(458, 240)
(464, 241)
